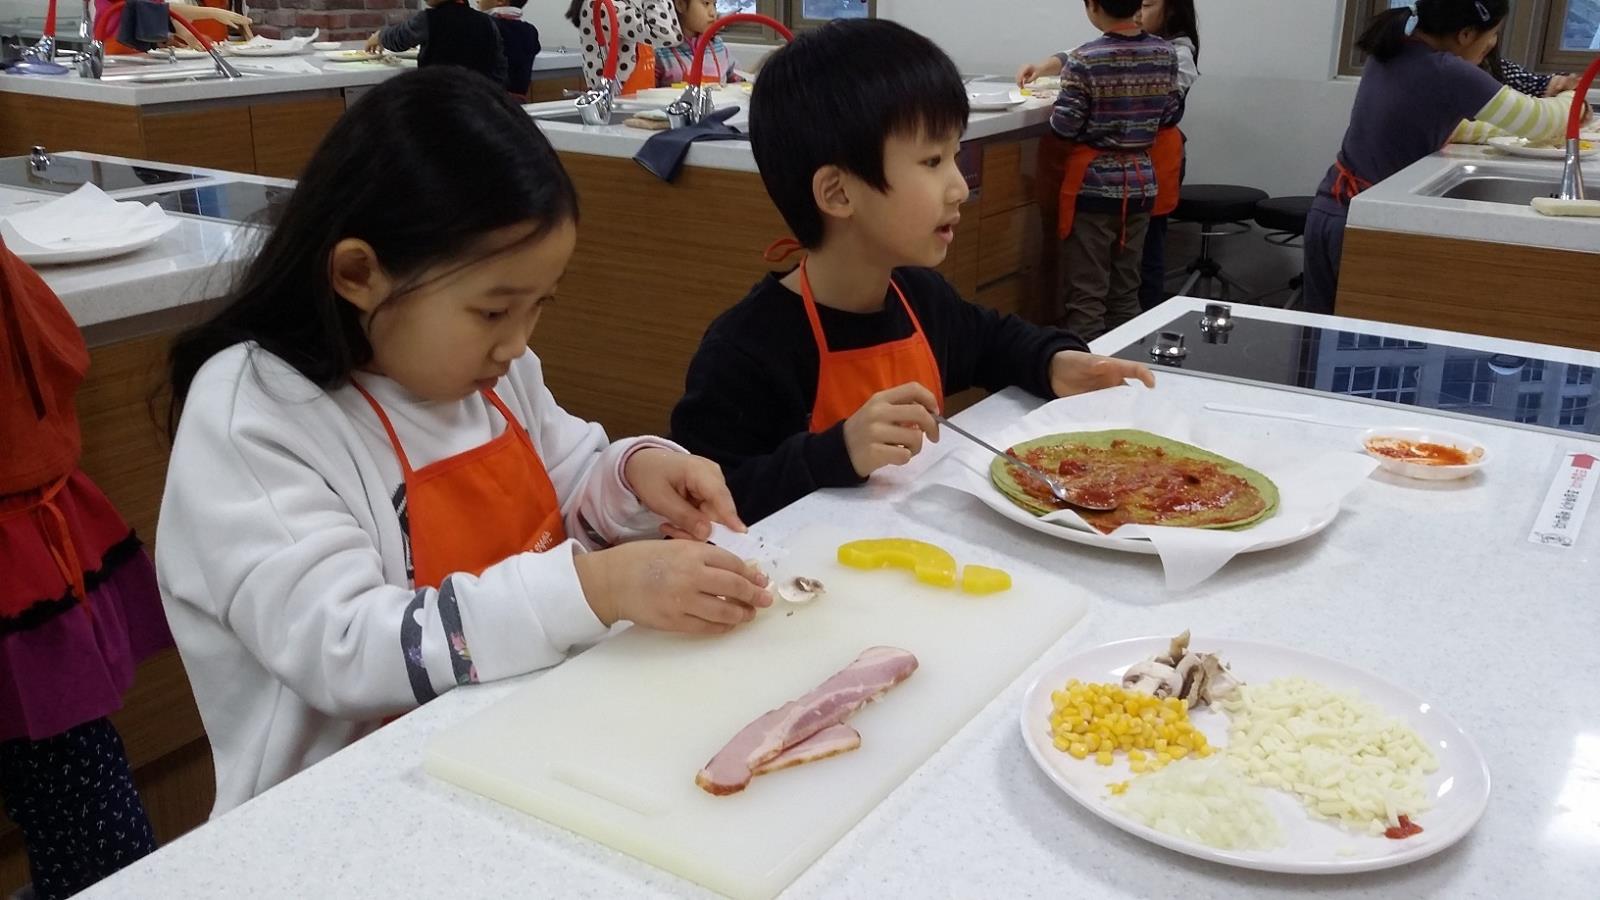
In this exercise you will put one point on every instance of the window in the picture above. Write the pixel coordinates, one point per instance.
(1467, 382)
(1543, 35)
(1580, 375)
(1528, 408)
(1350, 340)
(795, 13)
(1533, 371)
(1395, 384)
(1574, 410)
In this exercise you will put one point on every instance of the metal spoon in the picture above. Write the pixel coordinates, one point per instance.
(1060, 491)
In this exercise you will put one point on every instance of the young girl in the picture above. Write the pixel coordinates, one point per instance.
(79, 610)
(1176, 21)
(450, 33)
(1414, 93)
(373, 497)
(673, 64)
(645, 25)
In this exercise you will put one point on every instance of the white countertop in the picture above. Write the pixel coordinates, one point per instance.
(1394, 205)
(264, 76)
(1435, 586)
(191, 263)
(621, 141)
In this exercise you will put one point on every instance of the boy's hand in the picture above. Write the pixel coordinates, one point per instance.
(374, 43)
(888, 429)
(688, 491)
(1073, 372)
(1027, 74)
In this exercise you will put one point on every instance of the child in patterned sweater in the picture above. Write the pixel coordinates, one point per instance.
(1117, 91)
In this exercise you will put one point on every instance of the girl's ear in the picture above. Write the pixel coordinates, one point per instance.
(356, 275)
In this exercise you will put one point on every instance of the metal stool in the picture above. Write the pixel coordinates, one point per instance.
(1284, 218)
(1221, 210)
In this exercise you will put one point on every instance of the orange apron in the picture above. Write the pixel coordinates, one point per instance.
(472, 510)
(643, 76)
(1078, 162)
(1347, 184)
(847, 379)
(1167, 156)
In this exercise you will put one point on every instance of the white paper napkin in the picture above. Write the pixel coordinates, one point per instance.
(82, 220)
(1311, 482)
(294, 44)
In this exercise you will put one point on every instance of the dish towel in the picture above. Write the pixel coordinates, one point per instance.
(662, 155)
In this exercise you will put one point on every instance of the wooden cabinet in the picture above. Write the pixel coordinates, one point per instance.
(286, 134)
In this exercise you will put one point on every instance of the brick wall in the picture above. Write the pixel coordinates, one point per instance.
(339, 20)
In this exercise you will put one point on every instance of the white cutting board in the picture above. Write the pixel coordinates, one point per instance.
(608, 744)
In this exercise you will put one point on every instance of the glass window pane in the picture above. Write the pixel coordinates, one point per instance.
(1581, 30)
(1411, 376)
(1364, 378)
(835, 9)
(1347, 340)
(1389, 377)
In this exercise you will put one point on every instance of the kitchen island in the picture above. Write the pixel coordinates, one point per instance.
(1451, 242)
(268, 122)
(1436, 588)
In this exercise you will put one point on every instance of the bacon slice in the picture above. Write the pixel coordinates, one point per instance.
(872, 674)
(830, 741)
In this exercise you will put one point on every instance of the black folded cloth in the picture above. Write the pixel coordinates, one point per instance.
(662, 155)
(145, 23)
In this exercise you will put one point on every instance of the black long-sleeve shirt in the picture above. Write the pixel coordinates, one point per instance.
(751, 385)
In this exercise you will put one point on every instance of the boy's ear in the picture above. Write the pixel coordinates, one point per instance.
(830, 193)
(355, 274)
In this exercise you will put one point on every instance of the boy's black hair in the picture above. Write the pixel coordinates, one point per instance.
(834, 96)
(1122, 9)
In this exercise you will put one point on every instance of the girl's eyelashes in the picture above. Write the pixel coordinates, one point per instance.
(933, 162)
(492, 315)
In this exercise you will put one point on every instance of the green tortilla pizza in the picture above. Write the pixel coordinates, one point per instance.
(1154, 481)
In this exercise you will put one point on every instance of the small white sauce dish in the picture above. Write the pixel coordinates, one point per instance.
(1475, 451)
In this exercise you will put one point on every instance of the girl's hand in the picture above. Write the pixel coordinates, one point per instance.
(672, 586)
(374, 44)
(1073, 372)
(688, 491)
(1560, 84)
(210, 13)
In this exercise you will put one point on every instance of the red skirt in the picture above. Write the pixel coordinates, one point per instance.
(79, 609)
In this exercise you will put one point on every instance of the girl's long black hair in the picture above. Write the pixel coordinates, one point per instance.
(1385, 35)
(421, 168)
(1182, 21)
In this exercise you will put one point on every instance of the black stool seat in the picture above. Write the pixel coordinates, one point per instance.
(1212, 203)
(1285, 215)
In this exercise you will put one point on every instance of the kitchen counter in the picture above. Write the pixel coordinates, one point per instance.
(1399, 204)
(263, 76)
(189, 264)
(1436, 587)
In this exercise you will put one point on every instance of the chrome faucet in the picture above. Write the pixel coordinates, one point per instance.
(91, 58)
(38, 160)
(695, 103)
(1572, 172)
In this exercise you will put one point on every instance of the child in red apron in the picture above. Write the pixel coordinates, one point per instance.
(79, 610)
(836, 369)
(644, 25)
(373, 496)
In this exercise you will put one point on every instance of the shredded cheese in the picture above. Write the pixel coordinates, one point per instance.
(1345, 759)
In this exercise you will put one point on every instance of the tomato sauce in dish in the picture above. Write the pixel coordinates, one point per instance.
(1420, 452)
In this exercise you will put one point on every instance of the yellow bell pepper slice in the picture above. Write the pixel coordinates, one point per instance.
(984, 580)
(931, 564)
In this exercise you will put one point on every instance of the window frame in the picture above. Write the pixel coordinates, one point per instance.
(790, 13)
(1531, 37)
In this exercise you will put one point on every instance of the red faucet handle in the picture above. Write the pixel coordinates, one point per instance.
(704, 42)
(1580, 99)
(613, 40)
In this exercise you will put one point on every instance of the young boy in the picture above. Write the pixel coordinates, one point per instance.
(518, 37)
(450, 34)
(1117, 91)
(823, 375)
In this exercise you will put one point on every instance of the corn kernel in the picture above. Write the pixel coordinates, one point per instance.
(1136, 755)
(1179, 752)
(1078, 751)
(1139, 767)
(1103, 757)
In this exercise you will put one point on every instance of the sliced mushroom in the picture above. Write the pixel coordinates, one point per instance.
(1219, 681)
(801, 590)
(1191, 679)
(1151, 677)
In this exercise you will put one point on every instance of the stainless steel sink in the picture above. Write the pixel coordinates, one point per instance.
(169, 76)
(1491, 184)
(575, 118)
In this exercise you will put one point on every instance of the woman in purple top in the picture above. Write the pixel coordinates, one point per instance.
(1415, 91)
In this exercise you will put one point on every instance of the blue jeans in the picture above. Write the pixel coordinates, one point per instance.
(1324, 245)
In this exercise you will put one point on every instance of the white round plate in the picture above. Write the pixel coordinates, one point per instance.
(136, 240)
(1516, 146)
(1313, 524)
(326, 45)
(1427, 436)
(265, 49)
(349, 56)
(179, 53)
(1311, 847)
(994, 101)
(413, 53)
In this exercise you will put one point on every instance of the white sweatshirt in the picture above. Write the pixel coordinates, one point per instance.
(283, 561)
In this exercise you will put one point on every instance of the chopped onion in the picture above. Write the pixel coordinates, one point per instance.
(1203, 800)
(1345, 759)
